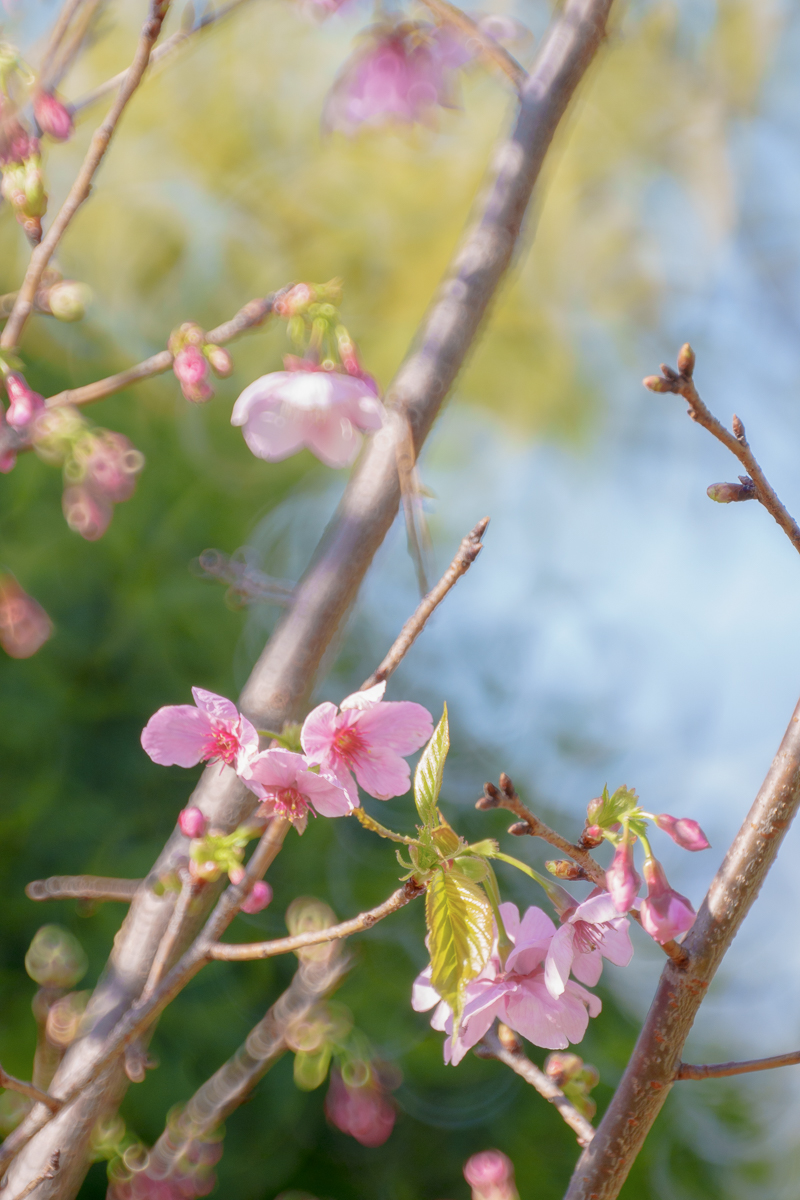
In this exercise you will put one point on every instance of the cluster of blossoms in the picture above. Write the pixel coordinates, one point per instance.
(366, 737)
(194, 358)
(620, 820)
(529, 988)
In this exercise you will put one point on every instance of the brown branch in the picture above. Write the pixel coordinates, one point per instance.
(285, 672)
(82, 887)
(654, 1064)
(468, 551)
(28, 1089)
(490, 1046)
(57, 33)
(170, 942)
(172, 43)
(723, 1070)
(681, 382)
(83, 183)
(72, 44)
(248, 950)
(48, 1173)
(449, 14)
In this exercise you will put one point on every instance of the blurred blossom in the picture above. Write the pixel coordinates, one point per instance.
(55, 958)
(366, 1113)
(192, 822)
(490, 1174)
(109, 464)
(24, 625)
(24, 403)
(52, 116)
(64, 1018)
(67, 300)
(85, 512)
(259, 898)
(192, 371)
(248, 585)
(400, 73)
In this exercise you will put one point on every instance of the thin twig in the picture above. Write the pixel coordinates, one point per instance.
(682, 384)
(83, 887)
(490, 1046)
(451, 15)
(245, 951)
(56, 37)
(72, 44)
(29, 1090)
(189, 890)
(723, 1070)
(468, 551)
(48, 1173)
(83, 183)
(171, 44)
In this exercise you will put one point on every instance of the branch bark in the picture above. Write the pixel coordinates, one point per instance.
(723, 1070)
(284, 674)
(655, 1062)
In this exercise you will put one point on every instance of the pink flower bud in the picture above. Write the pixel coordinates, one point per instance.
(683, 830)
(731, 493)
(622, 880)
(111, 464)
(24, 625)
(219, 359)
(664, 912)
(258, 899)
(53, 118)
(192, 822)
(236, 875)
(365, 1113)
(191, 370)
(86, 513)
(24, 403)
(490, 1174)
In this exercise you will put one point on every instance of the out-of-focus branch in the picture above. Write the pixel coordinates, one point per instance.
(490, 1046)
(284, 674)
(50, 1170)
(171, 939)
(82, 887)
(723, 1070)
(466, 554)
(248, 950)
(83, 183)
(168, 46)
(681, 382)
(72, 43)
(450, 14)
(29, 1090)
(654, 1064)
(68, 11)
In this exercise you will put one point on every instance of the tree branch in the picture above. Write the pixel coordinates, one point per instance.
(29, 1090)
(490, 1046)
(723, 1070)
(57, 33)
(48, 1173)
(285, 672)
(466, 554)
(450, 14)
(655, 1061)
(80, 189)
(82, 887)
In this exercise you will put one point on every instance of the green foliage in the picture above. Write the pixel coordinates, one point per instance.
(430, 769)
(460, 933)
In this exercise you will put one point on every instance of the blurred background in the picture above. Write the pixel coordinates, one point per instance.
(619, 627)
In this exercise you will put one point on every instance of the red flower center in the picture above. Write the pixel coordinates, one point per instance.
(349, 743)
(286, 802)
(588, 936)
(222, 744)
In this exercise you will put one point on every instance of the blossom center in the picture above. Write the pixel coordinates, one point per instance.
(588, 936)
(287, 802)
(223, 744)
(349, 743)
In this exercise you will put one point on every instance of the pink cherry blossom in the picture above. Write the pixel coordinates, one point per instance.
(211, 729)
(287, 787)
(490, 1174)
(52, 116)
(664, 912)
(111, 464)
(24, 625)
(192, 822)
(590, 932)
(323, 410)
(368, 737)
(683, 830)
(366, 1112)
(622, 880)
(517, 994)
(24, 402)
(191, 368)
(259, 898)
(86, 512)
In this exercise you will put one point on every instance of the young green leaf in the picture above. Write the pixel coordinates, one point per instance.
(375, 827)
(428, 777)
(461, 932)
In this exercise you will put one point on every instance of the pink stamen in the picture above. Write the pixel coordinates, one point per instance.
(223, 745)
(349, 744)
(286, 802)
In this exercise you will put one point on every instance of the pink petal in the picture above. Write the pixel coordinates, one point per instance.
(367, 699)
(365, 411)
(510, 914)
(423, 994)
(217, 707)
(587, 966)
(442, 1017)
(401, 726)
(616, 944)
(274, 434)
(176, 735)
(533, 1012)
(319, 732)
(531, 942)
(326, 794)
(248, 744)
(593, 1003)
(596, 909)
(260, 392)
(382, 773)
(559, 960)
(333, 439)
(275, 768)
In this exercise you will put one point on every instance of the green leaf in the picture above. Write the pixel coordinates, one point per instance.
(428, 777)
(607, 810)
(461, 932)
(375, 827)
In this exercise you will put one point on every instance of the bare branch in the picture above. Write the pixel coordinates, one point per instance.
(654, 1063)
(83, 183)
(682, 384)
(82, 887)
(449, 14)
(490, 1046)
(72, 44)
(48, 1173)
(723, 1070)
(468, 551)
(171, 939)
(365, 920)
(29, 1090)
(57, 33)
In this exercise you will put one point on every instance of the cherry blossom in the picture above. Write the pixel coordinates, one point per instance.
(366, 1112)
(24, 625)
(86, 512)
(323, 410)
(287, 786)
(24, 402)
(368, 737)
(683, 830)
(517, 994)
(664, 912)
(590, 932)
(490, 1174)
(622, 879)
(192, 369)
(211, 729)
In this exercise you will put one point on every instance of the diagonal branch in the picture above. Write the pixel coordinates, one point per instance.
(82, 887)
(284, 674)
(80, 189)
(655, 1061)
(723, 1070)
(28, 1089)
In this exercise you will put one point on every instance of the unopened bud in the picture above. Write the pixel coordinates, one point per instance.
(507, 1038)
(205, 870)
(591, 837)
(24, 402)
(192, 822)
(258, 899)
(220, 360)
(738, 428)
(731, 493)
(53, 118)
(64, 1018)
(655, 383)
(67, 300)
(24, 625)
(562, 868)
(506, 785)
(86, 512)
(56, 958)
(491, 797)
(686, 360)
(563, 1067)
(519, 828)
(684, 831)
(490, 1174)
(191, 371)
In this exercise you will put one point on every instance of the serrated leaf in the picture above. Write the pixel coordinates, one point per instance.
(428, 776)
(460, 932)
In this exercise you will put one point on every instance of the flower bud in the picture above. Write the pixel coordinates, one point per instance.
(64, 1018)
(56, 958)
(192, 822)
(191, 371)
(86, 513)
(683, 830)
(52, 117)
(220, 360)
(236, 874)
(655, 383)
(490, 1174)
(306, 914)
(507, 1038)
(204, 870)
(731, 493)
(68, 299)
(562, 868)
(622, 880)
(24, 403)
(563, 1067)
(594, 809)
(686, 360)
(24, 625)
(591, 837)
(664, 912)
(365, 1113)
(109, 463)
(296, 301)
